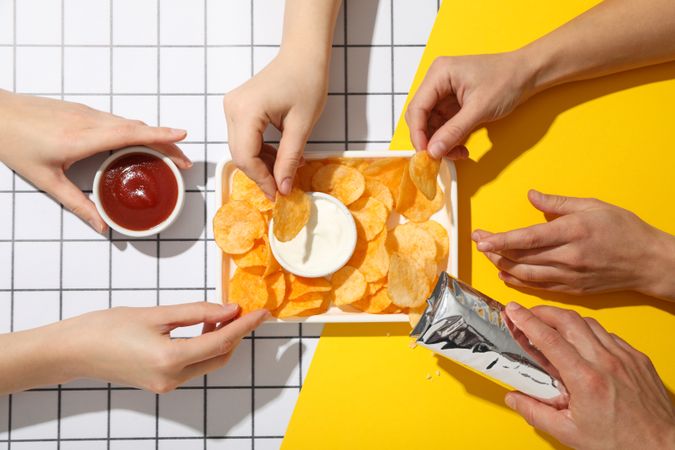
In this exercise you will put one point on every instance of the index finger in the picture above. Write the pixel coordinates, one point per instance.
(564, 357)
(221, 341)
(535, 236)
(246, 144)
(417, 114)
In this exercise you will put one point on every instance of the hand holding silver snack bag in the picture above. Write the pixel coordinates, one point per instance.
(467, 326)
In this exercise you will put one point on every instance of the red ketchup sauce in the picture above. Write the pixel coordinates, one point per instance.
(138, 191)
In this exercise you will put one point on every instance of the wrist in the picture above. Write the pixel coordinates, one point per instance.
(659, 279)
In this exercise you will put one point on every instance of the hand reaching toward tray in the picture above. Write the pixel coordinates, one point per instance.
(589, 246)
(130, 346)
(616, 398)
(41, 138)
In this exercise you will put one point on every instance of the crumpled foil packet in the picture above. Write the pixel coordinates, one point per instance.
(467, 326)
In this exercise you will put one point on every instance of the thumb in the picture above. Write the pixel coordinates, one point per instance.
(455, 131)
(558, 205)
(289, 155)
(542, 416)
(72, 198)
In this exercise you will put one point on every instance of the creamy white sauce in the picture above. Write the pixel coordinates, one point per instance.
(323, 245)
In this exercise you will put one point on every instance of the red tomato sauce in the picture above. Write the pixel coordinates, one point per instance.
(138, 191)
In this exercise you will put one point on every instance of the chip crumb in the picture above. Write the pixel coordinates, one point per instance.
(428, 376)
(438, 373)
(412, 344)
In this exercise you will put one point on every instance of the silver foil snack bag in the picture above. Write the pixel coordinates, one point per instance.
(466, 326)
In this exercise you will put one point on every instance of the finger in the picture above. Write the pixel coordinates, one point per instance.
(542, 417)
(222, 341)
(557, 255)
(459, 152)
(558, 204)
(455, 131)
(417, 114)
(72, 198)
(606, 339)
(130, 133)
(174, 152)
(291, 147)
(245, 145)
(515, 282)
(187, 314)
(548, 340)
(573, 329)
(479, 234)
(527, 272)
(204, 367)
(535, 236)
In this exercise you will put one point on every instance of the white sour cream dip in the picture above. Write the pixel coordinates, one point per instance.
(323, 245)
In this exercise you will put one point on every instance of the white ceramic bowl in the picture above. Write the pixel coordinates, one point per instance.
(346, 252)
(160, 226)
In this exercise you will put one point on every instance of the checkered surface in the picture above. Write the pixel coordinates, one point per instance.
(169, 62)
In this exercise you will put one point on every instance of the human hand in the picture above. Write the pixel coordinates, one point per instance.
(40, 138)
(616, 398)
(288, 95)
(589, 246)
(132, 346)
(459, 93)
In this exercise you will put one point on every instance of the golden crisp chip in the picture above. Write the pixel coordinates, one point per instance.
(380, 191)
(291, 213)
(415, 314)
(375, 286)
(431, 271)
(408, 284)
(304, 174)
(370, 216)
(375, 304)
(236, 227)
(412, 204)
(440, 235)
(349, 285)
(271, 263)
(424, 172)
(243, 188)
(256, 257)
(371, 258)
(301, 306)
(410, 239)
(388, 171)
(276, 285)
(300, 286)
(342, 182)
(392, 309)
(357, 163)
(248, 290)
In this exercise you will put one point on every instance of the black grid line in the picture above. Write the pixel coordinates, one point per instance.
(204, 241)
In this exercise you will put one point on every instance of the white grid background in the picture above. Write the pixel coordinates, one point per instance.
(169, 62)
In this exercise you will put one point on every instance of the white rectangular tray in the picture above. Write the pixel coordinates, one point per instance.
(447, 217)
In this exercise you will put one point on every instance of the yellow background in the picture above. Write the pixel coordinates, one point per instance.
(611, 138)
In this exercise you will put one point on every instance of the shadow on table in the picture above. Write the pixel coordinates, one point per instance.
(524, 128)
(224, 413)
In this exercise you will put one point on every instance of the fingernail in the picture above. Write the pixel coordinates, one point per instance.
(230, 307)
(96, 225)
(513, 307)
(510, 401)
(178, 131)
(464, 153)
(286, 185)
(484, 246)
(437, 149)
(475, 236)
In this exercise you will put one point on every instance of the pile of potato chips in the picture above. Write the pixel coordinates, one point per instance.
(393, 269)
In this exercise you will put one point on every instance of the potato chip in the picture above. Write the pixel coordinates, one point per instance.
(412, 240)
(276, 286)
(392, 309)
(304, 174)
(440, 235)
(431, 271)
(380, 191)
(236, 227)
(424, 173)
(375, 304)
(256, 257)
(291, 213)
(388, 171)
(375, 286)
(301, 306)
(371, 258)
(243, 188)
(271, 263)
(408, 284)
(415, 314)
(349, 285)
(300, 286)
(370, 216)
(412, 204)
(248, 290)
(357, 163)
(342, 182)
